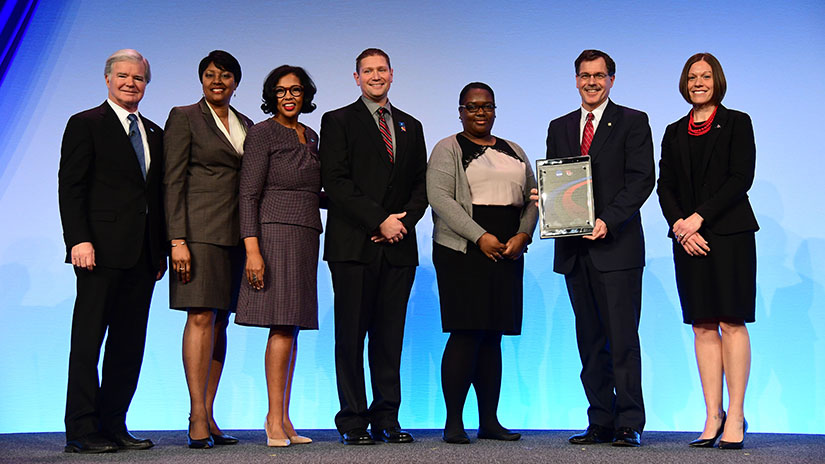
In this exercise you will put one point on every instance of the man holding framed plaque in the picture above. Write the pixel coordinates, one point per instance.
(603, 270)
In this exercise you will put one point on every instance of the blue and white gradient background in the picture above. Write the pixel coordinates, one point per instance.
(774, 57)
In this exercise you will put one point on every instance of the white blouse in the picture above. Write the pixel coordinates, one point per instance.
(496, 179)
(237, 130)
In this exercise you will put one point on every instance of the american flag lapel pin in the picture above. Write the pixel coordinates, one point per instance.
(403, 126)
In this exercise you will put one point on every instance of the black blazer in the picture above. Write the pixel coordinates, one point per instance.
(623, 177)
(102, 194)
(729, 164)
(364, 187)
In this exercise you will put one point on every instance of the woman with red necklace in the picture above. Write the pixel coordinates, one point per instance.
(707, 167)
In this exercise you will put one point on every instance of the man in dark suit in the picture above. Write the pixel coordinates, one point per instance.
(109, 188)
(603, 270)
(373, 166)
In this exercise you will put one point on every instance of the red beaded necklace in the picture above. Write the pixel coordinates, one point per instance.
(701, 128)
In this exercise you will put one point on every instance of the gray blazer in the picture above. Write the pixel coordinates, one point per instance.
(448, 192)
(201, 177)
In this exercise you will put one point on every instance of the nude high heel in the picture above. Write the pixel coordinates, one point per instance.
(275, 442)
(299, 440)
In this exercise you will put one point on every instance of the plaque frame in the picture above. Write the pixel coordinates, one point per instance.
(565, 190)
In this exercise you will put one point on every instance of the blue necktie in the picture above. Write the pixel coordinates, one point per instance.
(137, 143)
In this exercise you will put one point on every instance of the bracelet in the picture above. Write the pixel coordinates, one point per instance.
(176, 244)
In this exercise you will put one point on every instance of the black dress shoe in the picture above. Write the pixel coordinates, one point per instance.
(503, 435)
(357, 437)
(456, 437)
(199, 443)
(709, 442)
(224, 439)
(125, 440)
(625, 436)
(392, 435)
(594, 434)
(735, 445)
(90, 444)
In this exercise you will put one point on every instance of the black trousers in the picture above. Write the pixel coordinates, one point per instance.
(607, 306)
(370, 299)
(114, 301)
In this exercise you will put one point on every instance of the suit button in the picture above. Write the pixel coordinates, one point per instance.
(389, 187)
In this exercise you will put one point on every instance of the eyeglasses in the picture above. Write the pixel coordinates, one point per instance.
(473, 108)
(586, 76)
(295, 90)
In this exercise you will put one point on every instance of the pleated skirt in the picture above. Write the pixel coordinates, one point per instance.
(290, 293)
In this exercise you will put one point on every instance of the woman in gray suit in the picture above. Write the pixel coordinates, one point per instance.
(280, 225)
(203, 145)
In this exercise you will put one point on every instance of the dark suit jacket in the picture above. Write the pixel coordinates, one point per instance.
(103, 196)
(729, 160)
(364, 188)
(201, 177)
(623, 177)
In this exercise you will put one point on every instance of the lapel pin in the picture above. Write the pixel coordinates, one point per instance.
(610, 124)
(403, 126)
(718, 126)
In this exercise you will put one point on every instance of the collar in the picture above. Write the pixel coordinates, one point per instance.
(373, 107)
(597, 113)
(121, 113)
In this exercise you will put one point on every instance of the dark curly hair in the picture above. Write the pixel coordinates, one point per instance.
(270, 101)
(223, 61)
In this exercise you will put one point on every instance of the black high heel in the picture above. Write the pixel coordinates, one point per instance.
(735, 445)
(198, 443)
(709, 442)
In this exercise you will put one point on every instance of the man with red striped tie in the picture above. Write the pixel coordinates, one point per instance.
(603, 270)
(373, 167)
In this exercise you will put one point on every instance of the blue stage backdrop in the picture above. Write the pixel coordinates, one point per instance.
(774, 57)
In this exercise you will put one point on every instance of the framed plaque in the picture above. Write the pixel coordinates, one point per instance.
(565, 188)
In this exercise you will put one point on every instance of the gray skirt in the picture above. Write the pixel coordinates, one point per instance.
(216, 278)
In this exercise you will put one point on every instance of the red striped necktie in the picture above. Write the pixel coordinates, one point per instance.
(587, 137)
(385, 133)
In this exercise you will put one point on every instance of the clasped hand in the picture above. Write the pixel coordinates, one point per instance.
(495, 250)
(686, 232)
(392, 230)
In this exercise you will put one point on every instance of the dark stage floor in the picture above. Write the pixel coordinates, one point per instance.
(544, 446)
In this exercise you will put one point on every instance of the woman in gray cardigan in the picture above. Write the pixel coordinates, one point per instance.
(479, 188)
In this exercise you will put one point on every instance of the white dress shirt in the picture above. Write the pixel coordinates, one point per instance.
(597, 116)
(123, 116)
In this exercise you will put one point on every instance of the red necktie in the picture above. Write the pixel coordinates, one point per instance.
(385, 133)
(587, 137)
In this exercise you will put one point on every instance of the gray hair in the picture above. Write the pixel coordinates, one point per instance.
(127, 54)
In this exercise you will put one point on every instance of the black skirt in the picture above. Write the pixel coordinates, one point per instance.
(721, 285)
(475, 292)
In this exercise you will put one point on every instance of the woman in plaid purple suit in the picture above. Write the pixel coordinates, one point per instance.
(280, 225)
